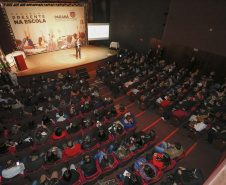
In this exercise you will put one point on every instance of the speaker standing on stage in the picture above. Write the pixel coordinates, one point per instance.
(78, 48)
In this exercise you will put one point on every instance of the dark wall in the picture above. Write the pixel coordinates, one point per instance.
(189, 23)
(133, 23)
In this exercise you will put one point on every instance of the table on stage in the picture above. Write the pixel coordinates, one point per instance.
(114, 45)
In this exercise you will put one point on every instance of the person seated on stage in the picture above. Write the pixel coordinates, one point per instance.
(68, 76)
(53, 155)
(58, 133)
(88, 166)
(88, 143)
(41, 134)
(116, 129)
(73, 128)
(161, 160)
(34, 161)
(69, 176)
(12, 169)
(87, 123)
(101, 133)
(189, 176)
(71, 148)
(173, 150)
(122, 109)
(112, 113)
(128, 121)
(61, 117)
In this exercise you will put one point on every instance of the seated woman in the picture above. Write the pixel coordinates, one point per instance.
(121, 151)
(147, 171)
(73, 128)
(128, 121)
(161, 160)
(59, 133)
(69, 176)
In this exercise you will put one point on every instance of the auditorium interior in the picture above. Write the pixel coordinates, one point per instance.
(165, 49)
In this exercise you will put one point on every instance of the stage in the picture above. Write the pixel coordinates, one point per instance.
(63, 59)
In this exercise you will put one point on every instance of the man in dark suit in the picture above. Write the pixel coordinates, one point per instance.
(78, 48)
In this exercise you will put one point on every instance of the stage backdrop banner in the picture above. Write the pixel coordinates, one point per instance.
(46, 28)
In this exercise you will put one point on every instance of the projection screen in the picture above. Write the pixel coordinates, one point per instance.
(43, 28)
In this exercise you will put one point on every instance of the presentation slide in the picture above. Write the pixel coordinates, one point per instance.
(47, 28)
(98, 31)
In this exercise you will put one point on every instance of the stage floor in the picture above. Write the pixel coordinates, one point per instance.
(62, 59)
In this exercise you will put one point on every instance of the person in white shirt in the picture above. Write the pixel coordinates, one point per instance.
(13, 169)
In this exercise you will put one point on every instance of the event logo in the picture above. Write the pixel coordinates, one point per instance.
(72, 14)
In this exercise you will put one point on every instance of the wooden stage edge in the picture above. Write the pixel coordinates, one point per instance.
(51, 63)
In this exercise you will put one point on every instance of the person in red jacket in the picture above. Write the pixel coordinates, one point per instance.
(58, 133)
(161, 160)
(71, 149)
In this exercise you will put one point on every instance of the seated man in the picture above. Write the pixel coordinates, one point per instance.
(112, 113)
(53, 154)
(146, 137)
(71, 149)
(24, 142)
(107, 161)
(34, 161)
(173, 150)
(129, 178)
(69, 176)
(88, 166)
(41, 134)
(128, 121)
(13, 169)
(88, 143)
